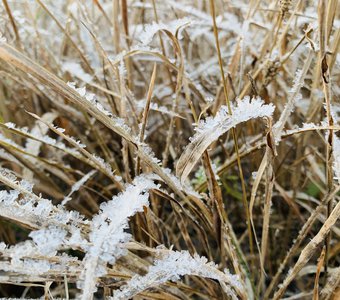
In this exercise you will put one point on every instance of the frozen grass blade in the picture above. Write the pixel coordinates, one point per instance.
(212, 128)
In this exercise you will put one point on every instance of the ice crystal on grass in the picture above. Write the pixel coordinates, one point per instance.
(212, 128)
(56, 228)
(245, 110)
(228, 22)
(40, 131)
(27, 266)
(36, 138)
(156, 107)
(108, 231)
(46, 44)
(294, 96)
(147, 151)
(61, 131)
(103, 164)
(336, 154)
(136, 48)
(76, 70)
(26, 258)
(151, 29)
(77, 186)
(171, 267)
(49, 240)
(90, 97)
(298, 81)
(186, 187)
(30, 209)
(81, 91)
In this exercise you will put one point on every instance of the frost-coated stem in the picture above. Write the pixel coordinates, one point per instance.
(298, 83)
(172, 267)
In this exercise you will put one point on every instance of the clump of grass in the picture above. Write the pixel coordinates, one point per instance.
(169, 149)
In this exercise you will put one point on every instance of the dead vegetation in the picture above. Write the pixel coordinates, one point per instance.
(169, 149)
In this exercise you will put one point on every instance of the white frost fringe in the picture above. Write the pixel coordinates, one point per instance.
(171, 267)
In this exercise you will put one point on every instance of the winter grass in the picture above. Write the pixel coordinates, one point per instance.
(169, 149)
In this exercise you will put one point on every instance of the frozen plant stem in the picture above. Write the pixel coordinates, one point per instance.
(322, 15)
(234, 133)
(146, 112)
